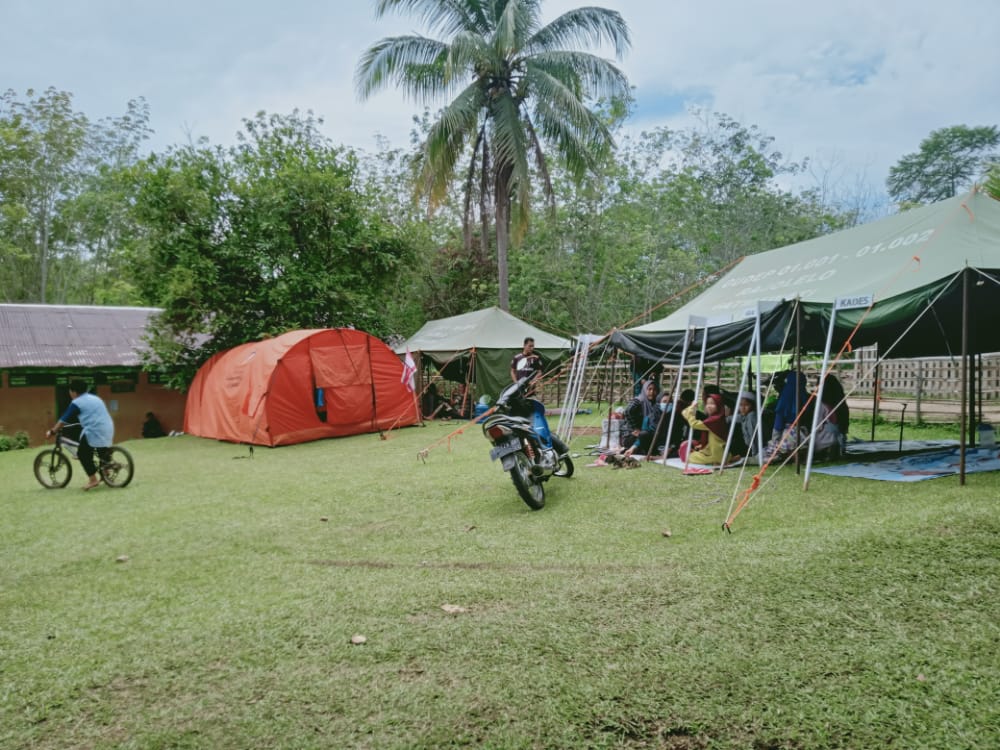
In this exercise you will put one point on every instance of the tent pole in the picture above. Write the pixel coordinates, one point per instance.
(965, 374)
(611, 397)
(819, 397)
(698, 388)
(758, 331)
(798, 373)
(973, 403)
(979, 381)
(744, 378)
(875, 390)
(677, 395)
(419, 385)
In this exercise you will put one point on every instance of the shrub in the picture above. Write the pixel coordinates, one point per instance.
(18, 442)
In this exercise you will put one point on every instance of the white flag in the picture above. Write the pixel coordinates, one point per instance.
(409, 370)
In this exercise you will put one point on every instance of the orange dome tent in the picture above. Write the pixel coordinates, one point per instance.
(300, 386)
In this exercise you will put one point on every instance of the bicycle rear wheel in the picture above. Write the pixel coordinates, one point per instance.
(52, 469)
(118, 470)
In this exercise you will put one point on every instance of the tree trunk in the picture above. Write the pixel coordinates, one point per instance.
(502, 218)
(43, 252)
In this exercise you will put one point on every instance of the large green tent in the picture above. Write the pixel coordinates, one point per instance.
(920, 266)
(478, 346)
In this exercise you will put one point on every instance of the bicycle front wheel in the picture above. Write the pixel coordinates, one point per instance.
(118, 470)
(52, 469)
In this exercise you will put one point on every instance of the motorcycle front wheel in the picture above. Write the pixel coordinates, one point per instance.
(529, 488)
(565, 468)
(566, 463)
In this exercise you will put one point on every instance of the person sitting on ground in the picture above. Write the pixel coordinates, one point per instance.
(745, 434)
(712, 449)
(459, 403)
(641, 417)
(834, 421)
(151, 427)
(678, 433)
(792, 415)
(436, 407)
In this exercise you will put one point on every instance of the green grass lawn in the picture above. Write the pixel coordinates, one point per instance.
(857, 615)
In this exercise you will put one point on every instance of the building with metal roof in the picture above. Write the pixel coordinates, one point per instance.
(43, 346)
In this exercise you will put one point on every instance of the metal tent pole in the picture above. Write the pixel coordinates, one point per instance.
(965, 374)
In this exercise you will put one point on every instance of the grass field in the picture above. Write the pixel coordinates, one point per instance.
(856, 615)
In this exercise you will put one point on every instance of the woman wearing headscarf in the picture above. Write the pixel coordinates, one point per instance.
(792, 398)
(834, 420)
(791, 401)
(744, 437)
(712, 448)
(641, 417)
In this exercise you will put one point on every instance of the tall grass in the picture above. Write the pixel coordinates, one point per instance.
(856, 615)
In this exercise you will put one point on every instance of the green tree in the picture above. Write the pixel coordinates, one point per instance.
(61, 205)
(41, 141)
(671, 209)
(97, 221)
(515, 88)
(270, 235)
(993, 181)
(949, 161)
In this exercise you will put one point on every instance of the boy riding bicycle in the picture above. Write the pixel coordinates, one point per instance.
(98, 428)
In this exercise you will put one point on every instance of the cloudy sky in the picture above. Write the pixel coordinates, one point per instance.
(851, 84)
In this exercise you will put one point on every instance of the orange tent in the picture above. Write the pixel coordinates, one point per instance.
(300, 386)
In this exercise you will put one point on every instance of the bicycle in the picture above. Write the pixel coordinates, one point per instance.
(53, 469)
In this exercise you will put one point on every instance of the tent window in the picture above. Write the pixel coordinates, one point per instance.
(340, 366)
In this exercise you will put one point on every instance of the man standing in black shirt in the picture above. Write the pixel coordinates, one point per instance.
(525, 363)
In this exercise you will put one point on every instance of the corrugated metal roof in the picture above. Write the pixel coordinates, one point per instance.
(72, 335)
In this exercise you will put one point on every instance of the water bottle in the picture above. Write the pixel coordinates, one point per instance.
(987, 436)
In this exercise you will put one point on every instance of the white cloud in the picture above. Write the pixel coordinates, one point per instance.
(865, 81)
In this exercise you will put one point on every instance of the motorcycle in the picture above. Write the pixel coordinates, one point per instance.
(521, 440)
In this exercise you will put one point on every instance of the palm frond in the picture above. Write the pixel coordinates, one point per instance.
(447, 138)
(517, 22)
(541, 164)
(443, 17)
(466, 54)
(577, 133)
(468, 192)
(391, 60)
(510, 150)
(598, 78)
(583, 27)
(559, 90)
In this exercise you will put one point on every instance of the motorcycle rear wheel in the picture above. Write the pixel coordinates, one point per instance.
(529, 488)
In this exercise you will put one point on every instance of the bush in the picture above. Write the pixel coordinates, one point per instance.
(18, 442)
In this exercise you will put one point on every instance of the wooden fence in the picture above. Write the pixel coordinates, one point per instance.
(924, 389)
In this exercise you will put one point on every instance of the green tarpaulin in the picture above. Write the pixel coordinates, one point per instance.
(485, 341)
(912, 263)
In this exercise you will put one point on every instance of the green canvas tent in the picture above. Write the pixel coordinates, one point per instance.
(914, 264)
(479, 345)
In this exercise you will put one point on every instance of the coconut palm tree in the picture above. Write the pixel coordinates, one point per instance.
(514, 87)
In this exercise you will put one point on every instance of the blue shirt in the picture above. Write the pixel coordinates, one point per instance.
(97, 425)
